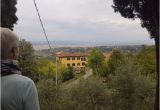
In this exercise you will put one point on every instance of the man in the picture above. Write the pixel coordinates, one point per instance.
(17, 92)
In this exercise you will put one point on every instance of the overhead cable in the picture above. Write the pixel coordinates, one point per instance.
(45, 35)
(42, 25)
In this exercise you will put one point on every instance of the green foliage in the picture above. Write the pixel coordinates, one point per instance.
(8, 13)
(49, 93)
(52, 57)
(147, 59)
(83, 71)
(27, 60)
(148, 13)
(90, 94)
(67, 74)
(46, 68)
(103, 70)
(115, 60)
(96, 61)
(128, 90)
(131, 90)
(129, 87)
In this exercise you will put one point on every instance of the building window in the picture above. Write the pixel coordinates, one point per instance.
(73, 58)
(83, 64)
(68, 65)
(73, 64)
(78, 58)
(78, 64)
(68, 58)
(83, 59)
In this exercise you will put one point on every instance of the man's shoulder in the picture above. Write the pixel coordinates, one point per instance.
(18, 79)
(23, 78)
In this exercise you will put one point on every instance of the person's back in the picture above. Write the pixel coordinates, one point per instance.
(17, 92)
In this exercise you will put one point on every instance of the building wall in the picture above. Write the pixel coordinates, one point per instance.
(78, 62)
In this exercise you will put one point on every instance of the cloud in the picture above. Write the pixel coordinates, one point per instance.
(80, 20)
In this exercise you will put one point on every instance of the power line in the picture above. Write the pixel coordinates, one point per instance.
(42, 25)
(45, 35)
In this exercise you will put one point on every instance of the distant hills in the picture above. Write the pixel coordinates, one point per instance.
(56, 44)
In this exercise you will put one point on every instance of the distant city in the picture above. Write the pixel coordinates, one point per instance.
(40, 45)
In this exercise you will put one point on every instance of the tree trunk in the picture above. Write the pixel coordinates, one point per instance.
(157, 70)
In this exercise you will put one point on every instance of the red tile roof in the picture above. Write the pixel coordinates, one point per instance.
(60, 55)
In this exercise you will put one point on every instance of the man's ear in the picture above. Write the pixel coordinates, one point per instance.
(14, 53)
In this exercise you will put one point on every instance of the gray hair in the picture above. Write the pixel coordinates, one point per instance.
(9, 40)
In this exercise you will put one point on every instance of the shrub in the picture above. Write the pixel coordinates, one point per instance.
(48, 94)
(131, 90)
(67, 74)
(90, 94)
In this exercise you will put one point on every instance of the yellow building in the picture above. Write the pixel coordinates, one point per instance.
(75, 60)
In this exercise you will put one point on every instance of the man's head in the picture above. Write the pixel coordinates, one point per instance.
(9, 44)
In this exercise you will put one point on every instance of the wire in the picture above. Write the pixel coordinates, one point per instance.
(45, 35)
(42, 25)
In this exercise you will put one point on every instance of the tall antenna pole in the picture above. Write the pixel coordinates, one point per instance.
(56, 73)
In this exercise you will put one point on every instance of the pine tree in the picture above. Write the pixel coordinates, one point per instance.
(8, 13)
(148, 13)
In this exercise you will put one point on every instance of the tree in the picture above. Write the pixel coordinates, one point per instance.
(67, 73)
(148, 12)
(131, 89)
(147, 59)
(46, 68)
(96, 61)
(27, 60)
(8, 13)
(115, 60)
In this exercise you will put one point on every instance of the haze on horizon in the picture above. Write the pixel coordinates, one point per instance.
(77, 20)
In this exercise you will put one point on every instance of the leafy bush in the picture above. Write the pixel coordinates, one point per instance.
(90, 94)
(147, 58)
(48, 69)
(49, 94)
(27, 60)
(131, 90)
(67, 74)
(114, 61)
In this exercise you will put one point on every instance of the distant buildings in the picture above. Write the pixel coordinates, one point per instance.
(75, 60)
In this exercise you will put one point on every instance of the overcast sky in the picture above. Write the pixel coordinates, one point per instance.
(76, 20)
